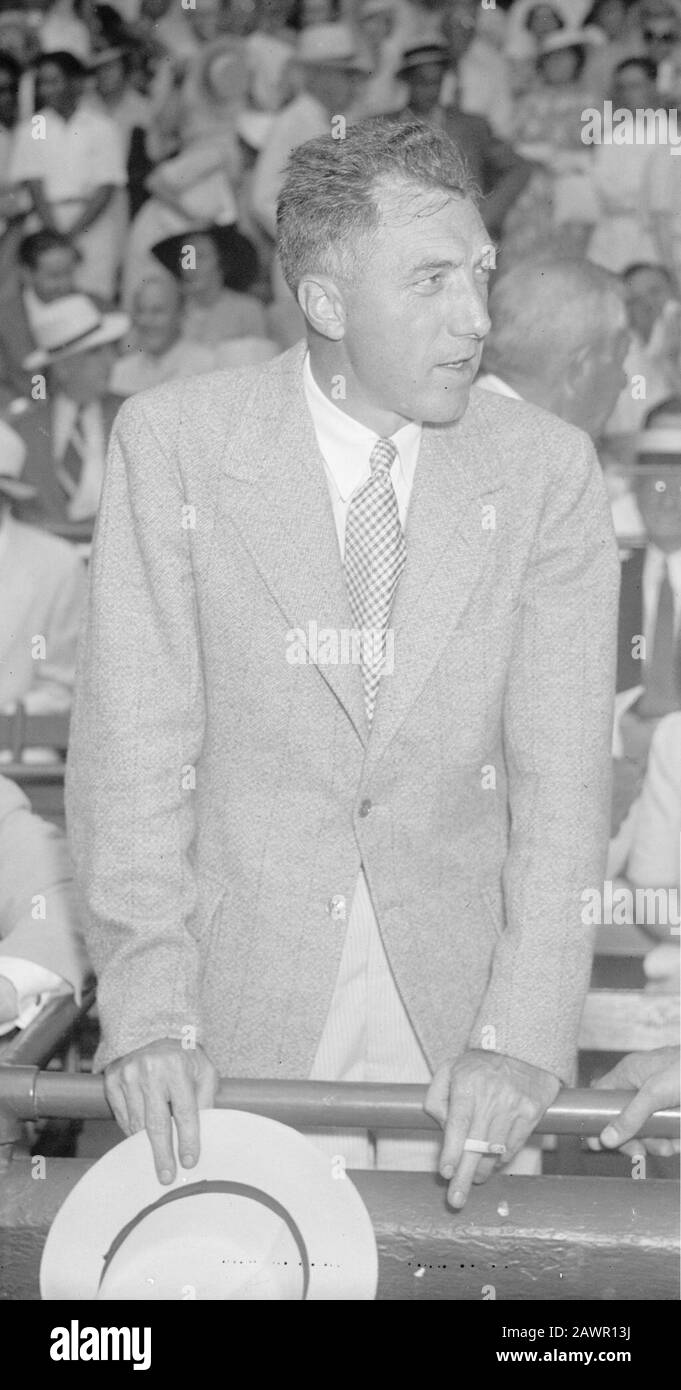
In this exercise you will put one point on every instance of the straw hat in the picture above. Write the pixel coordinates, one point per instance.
(263, 1215)
(74, 324)
(330, 46)
(236, 253)
(423, 54)
(571, 38)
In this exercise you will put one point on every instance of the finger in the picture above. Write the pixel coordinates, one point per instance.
(630, 1120)
(159, 1128)
(437, 1099)
(518, 1135)
(116, 1098)
(135, 1103)
(486, 1167)
(460, 1185)
(457, 1129)
(207, 1087)
(497, 1134)
(184, 1105)
(662, 1148)
(611, 1080)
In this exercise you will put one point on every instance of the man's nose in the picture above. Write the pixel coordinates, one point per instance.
(469, 317)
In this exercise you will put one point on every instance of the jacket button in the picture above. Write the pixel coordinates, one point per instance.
(336, 908)
(364, 807)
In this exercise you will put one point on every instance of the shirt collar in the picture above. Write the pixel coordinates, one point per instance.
(346, 444)
(491, 382)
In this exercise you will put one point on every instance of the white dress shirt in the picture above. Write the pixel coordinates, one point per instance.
(368, 1035)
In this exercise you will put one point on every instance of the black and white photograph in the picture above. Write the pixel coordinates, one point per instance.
(340, 667)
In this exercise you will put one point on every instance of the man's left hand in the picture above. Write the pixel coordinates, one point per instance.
(491, 1098)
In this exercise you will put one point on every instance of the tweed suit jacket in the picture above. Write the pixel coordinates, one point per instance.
(221, 797)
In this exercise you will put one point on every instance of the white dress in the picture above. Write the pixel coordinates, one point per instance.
(72, 159)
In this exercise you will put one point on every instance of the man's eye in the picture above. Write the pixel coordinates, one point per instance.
(430, 282)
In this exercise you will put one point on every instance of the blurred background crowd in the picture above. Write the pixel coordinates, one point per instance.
(142, 149)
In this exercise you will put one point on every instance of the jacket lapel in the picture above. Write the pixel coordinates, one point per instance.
(278, 498)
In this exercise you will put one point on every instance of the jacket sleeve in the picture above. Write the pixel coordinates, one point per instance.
(136, 734)
(557, 727)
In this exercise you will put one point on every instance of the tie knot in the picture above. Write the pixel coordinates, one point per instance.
(383, 456)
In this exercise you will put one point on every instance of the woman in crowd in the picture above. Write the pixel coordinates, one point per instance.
(210, 264)
(193, 142)
(75, 171)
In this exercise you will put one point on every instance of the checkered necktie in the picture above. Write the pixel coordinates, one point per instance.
(375, 555)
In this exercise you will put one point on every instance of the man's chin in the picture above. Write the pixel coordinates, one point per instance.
(446, 407)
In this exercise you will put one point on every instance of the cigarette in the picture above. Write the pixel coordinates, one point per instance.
(480, 1146)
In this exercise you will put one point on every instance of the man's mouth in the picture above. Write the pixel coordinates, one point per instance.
(458, 364)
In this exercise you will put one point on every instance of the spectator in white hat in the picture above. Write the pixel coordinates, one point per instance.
(61, 29)
(67, 434)
(332, 74)
(42, 584)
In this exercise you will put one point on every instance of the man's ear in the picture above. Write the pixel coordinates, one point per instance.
(577, 372)
(323, 305)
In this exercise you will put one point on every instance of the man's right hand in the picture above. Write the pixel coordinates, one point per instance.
(152, 1084)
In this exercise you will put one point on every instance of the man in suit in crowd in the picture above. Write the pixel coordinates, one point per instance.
(498, 171)
(332, 799)
(67, 431)
(559, 339)
(48, 263)
(649, 638)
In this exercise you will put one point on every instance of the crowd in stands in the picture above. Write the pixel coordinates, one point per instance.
(142, 149)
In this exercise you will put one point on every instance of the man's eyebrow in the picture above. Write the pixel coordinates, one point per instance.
(490, 249)
(432, 265)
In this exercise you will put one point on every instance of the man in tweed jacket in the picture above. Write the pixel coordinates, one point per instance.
(237, 826)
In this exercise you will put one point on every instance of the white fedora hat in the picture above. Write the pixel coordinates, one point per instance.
(264, 1215)
(571, 38)
(330, 46)
(12, 458)
(74, 324)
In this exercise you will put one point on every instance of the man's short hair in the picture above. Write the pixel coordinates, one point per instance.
(37, 244)
(544, 310)
(329, 200)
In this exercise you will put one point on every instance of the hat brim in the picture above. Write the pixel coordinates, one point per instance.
(237, 254)
(16, 490)
(417, 63)
(112, 328)
(236, 1148)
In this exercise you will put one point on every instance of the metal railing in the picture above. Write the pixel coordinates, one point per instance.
(26, 1093)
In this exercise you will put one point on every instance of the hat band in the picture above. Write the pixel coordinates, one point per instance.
(198, 1189)
(71, 342)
